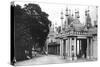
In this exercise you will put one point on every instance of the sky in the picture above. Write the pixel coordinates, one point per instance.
(54, 10)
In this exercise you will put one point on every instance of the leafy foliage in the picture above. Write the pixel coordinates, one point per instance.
(31, 27)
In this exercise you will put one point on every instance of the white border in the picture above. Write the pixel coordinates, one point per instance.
(5, 33)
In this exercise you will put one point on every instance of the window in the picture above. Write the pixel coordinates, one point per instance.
(72, 47)
(72, 38)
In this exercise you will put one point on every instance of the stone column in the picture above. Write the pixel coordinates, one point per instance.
(91, 47)
(88, 48)
(61, 47)
(75, 58)
(66, 48)
(70, 49)
(77, 47)
(95, 48)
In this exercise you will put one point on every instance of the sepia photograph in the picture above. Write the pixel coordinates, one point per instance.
(52, 33)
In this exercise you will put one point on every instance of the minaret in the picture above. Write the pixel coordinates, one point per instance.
(88, 19)
(86, 12)
(72, 16)
(77, 14)
(66, 20)
(96, 20)
(53, 27)
(62, 21)
(69, 17)
(69, 11)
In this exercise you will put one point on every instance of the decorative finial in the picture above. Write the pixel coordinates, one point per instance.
(66, 12)
(77, 13)
(88, 10)
(85, 12)
(72, 14)
(69, 11)
(62, 15)
(66, 9)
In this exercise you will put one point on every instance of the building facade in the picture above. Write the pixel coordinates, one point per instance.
(75, 40)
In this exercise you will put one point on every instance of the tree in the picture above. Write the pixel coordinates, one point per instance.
(31, 29)
(19, 35)
(39, 24)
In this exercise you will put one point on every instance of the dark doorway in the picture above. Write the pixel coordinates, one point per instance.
(54, 49)
(82, 48)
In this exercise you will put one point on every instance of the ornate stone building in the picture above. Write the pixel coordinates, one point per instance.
(75, 40)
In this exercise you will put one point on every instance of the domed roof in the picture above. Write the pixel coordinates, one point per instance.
(93, 30)
(76, 25)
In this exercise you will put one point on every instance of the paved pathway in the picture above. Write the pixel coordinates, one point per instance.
(49, 59)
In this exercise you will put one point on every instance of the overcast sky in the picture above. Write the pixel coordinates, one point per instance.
(54, 10)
